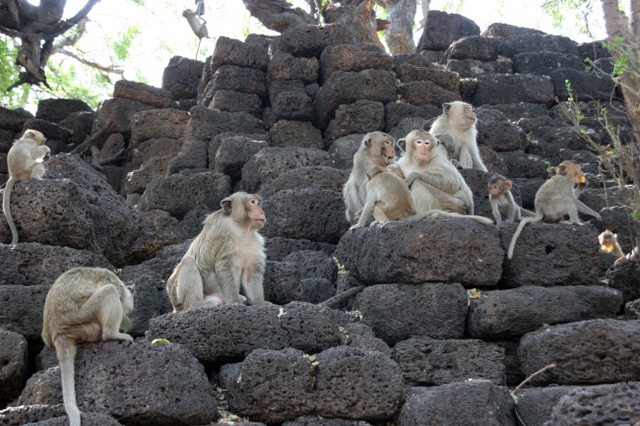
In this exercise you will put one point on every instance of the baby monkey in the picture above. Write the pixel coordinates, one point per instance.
(502, 202)
(24, 161)
(83, 305)
(609, 243)
(556, 198)
(388, 198)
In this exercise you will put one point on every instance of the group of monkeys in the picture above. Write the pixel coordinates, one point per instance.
(425, 181)
(92, 304)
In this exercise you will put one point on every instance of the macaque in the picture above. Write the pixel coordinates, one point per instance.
(577, 189)
(376, 149)
(24, 161)
(501, 200)
(633, 254)
(198, 26)
(388, 198)
(456, 129)
(83, 305)
(227, 254)
(556, 198)
(609, 243)
(434, 182)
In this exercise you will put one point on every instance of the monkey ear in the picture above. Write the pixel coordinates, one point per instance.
(562, 169)
(367, 142)
(446, 107)
(508, 184)
(402, 144)
(226, 206)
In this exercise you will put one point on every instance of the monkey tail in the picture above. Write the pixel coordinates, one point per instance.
(6, 208)
(434, 213)
(525, 212)
(66, 350)
(516, 234)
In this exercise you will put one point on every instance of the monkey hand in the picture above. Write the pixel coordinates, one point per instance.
(411, 178)
(457, 164)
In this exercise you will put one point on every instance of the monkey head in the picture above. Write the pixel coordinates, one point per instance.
(460, 112)
(34, 135)
(420, 145)
(498, 185)
(381, 147)
(572, 171)
(606, 240)
(245, 209)
(375, 171)
(396, 170)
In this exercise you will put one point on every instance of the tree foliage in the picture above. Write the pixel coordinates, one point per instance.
(36, 27)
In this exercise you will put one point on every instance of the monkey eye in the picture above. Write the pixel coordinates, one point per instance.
(420, 141)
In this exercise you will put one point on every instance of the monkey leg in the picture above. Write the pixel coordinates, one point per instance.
(379, 215)
(427, 197)
(229, 278)
(66, 352)
(106, 307)
(189, 287)
(38, 171)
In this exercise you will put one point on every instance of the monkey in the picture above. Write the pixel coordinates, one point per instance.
(197, 23)
(24, 161)
(376, 149)
(83, 305)
(609, 243)
(388, 198)
(227, 254)
(578, 188)
(555, 199)
(456, 129)
(633, 254)
(434, 182)
(502, 202)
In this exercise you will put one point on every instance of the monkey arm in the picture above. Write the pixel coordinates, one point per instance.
(437, 179)
(365, 215)
(495, 210)
(466, 158)
(352, 200)
(41, 152)
(252, 278)
(583, 208)
(470, 157)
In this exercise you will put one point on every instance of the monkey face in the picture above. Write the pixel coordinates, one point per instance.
(469, 114)
(495, 189)
(422, 148)
(499, 185)
(388, 153)
(256, 214)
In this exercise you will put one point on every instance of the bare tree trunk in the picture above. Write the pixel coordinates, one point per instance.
(624, 37)
(278, 15)
(399, 36)
(357, 16)
(36, 27)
